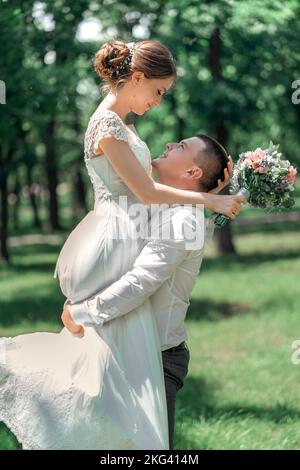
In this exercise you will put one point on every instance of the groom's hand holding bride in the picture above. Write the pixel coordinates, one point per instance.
(68, 321)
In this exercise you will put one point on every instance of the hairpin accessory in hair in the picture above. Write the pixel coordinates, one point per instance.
(127, 61)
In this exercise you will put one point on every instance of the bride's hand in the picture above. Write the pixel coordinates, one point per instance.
(68, 321)
(227, 175)
(228, 205)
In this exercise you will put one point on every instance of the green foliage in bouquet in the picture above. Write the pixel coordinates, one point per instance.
(268, 178)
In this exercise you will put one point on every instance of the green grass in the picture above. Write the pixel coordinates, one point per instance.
(242, 390)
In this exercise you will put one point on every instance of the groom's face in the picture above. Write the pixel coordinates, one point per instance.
(176, 166)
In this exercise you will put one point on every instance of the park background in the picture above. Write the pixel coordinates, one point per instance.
(237, 63)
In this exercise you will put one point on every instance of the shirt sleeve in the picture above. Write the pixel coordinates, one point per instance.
(156, 263)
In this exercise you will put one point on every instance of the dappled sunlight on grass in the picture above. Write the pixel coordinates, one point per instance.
(29, 295)
(242, 391)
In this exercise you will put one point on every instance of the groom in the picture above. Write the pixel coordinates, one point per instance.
(167, 266)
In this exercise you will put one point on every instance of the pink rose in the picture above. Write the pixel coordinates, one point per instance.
(260, 153)
(292, 174)
(248, 155)
(261, 170)
(253, 159)
(256, 164)
(249, 162)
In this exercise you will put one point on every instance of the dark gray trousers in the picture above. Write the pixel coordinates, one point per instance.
(175, 364)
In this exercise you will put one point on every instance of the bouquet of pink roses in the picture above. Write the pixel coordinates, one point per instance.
(266, 179)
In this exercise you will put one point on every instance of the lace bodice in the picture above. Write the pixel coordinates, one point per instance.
(106, 123)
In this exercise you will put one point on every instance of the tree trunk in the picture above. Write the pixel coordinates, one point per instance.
(17, 190)
(79, 198)
(4, 255)
(51, 172)
(79, 204)
(80, 193)
(33, 199)
(180, 123)
(224, 234)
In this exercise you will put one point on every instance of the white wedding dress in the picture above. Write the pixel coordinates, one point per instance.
(105, 390)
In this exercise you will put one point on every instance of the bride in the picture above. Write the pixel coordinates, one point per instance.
(103, 389)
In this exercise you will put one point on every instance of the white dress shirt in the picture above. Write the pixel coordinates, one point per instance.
(165, 270)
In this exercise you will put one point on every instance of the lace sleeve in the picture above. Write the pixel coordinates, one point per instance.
(109, 125)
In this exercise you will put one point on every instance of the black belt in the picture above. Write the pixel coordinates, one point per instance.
(182, 345)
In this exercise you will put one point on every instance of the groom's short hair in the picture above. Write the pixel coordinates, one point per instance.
(213, 160)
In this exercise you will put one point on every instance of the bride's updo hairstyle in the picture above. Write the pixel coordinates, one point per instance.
(116, 61)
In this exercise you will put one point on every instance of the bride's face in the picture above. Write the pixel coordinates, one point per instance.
(146, 93)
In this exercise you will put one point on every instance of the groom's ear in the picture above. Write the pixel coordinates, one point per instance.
(195, 173)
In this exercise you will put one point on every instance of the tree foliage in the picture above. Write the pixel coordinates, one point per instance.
(236, 63)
